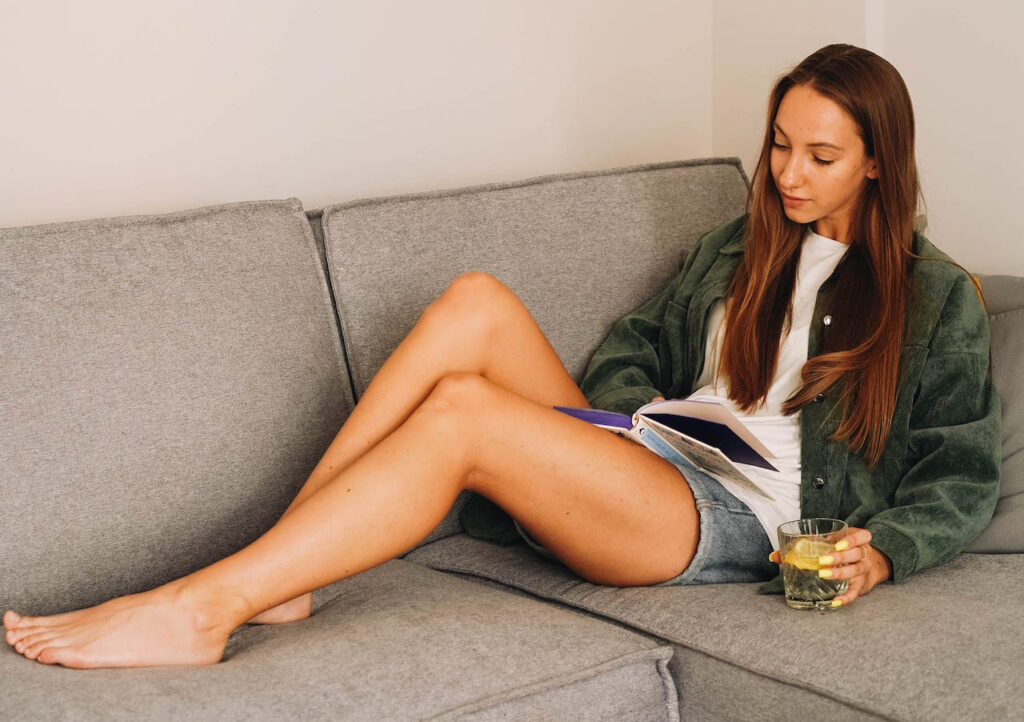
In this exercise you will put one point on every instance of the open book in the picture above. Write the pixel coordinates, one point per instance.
(704, 432)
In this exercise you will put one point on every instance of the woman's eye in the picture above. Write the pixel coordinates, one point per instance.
(819, 161)
(779, 145)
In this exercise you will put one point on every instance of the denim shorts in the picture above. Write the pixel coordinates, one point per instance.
(732, 547)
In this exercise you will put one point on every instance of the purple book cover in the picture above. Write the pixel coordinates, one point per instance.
(598, 417)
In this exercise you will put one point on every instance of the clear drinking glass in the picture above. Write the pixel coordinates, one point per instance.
(801, 542)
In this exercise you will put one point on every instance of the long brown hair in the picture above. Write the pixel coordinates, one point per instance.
(862, 347)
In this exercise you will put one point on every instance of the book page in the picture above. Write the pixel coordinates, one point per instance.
(702, 456)
(709, 411)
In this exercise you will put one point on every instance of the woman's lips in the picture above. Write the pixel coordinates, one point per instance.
(791, 202)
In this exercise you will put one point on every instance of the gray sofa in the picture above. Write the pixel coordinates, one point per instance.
(170, 381)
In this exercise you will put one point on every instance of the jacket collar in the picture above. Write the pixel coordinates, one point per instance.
(734, 246)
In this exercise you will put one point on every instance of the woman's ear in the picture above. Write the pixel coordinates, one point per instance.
(872, 170)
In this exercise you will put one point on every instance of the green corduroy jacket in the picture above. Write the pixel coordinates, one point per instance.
(936, 485)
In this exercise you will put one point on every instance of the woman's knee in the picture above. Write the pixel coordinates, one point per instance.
(475, 302)
(452, 407)
(458, 392)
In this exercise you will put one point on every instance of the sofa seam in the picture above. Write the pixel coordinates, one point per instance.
(660, 636)
(669, 685)
(353, 373)
(327, 295)
(659, 654)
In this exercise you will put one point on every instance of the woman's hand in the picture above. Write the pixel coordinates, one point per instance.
(854, 559)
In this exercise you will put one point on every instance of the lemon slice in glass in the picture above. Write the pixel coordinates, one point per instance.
(804, 553)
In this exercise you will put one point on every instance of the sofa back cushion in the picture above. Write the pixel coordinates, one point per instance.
(579, 249)
(1004, 297)
(168, 384)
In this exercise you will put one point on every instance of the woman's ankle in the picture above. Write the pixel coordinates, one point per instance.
(215, 608)
(291, 611)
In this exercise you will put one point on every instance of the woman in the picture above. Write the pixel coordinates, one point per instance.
(892, 423)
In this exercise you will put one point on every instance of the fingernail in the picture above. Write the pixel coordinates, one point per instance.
(825, 573)
(842, 545)
(825, 561)
(837, 603)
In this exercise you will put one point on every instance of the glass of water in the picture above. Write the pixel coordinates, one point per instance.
(801, 542)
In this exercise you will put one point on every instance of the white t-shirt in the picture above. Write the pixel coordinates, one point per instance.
(819, 257)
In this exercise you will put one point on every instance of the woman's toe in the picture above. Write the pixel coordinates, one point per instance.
(48, 655)
(21, 634)
(64, 656)
(13, 620)
(34, 650)
(31, 640)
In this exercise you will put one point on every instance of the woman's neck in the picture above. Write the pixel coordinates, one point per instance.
(836, 230)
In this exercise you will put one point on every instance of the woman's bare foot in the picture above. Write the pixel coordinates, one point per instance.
(168, 626)
(290, 611)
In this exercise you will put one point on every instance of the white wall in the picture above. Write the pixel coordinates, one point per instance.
(124, 107)
(120, 107)
(964, 66)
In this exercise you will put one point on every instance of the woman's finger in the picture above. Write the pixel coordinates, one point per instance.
(845, 571)
(855, 537)
(851, 593)
(853, 555)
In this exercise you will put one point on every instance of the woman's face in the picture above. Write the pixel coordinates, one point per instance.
(818, 162)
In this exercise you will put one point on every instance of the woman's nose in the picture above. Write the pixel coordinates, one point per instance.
(792, 174)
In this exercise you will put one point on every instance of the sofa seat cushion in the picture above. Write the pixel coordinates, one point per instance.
(168, 384)
(946, 644)
(397, 642)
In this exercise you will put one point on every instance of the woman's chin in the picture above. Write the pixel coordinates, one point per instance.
(800, 215)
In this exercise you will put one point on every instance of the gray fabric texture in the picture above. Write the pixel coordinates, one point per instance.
(169, 383)
(1002, 293)
(560, 242)
(708, 691)
(1004, 296)
(398, 642)
(945, 645)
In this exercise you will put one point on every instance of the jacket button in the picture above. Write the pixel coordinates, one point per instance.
(819, 398)
(819, 482)
(827, 320)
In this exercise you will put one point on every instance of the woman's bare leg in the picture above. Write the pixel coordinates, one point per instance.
(611, 510)
(477, 326)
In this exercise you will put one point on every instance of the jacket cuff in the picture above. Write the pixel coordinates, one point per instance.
(897, 546)
(625, 400)
(775, 586)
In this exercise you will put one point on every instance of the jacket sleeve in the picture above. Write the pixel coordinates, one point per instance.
(951, 484)
(629, 368)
